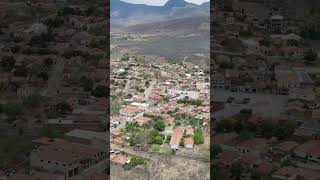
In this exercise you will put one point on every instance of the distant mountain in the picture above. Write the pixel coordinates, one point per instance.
(130, 14)
(198, 24)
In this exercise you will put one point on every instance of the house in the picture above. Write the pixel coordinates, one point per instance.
(142, 120)
(131, 110)
(188, 142)
(66, 157)
(285, 173)
(119, 159)
(283, 149)
(309, 150)
(302, 93)
(93, 138)
(176, 137)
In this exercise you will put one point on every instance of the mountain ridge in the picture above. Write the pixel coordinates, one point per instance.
(129, 14)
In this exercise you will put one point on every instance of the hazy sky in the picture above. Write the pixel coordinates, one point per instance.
(160, 2)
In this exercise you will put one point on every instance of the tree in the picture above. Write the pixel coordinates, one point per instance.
(147, 84)
(215, 150)
(266, 129)
(13, 109)
(50, 133)
(310, 56)
(7, 63)
(21, 72)
(219, 173)
(63, 108)
(224, 126)
(286, 130)
(32, 101)
(198, 136)
(155, 137)
(245, 134)
(86, 83)
(159, 125)
(100, 91)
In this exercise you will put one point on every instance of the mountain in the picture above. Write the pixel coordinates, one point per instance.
(175, 3)
(198, 24)
(131, 14)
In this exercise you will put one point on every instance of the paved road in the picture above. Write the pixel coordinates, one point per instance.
(55, 78)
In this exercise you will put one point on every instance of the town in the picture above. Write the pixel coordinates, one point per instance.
(53, 90)
(159, 111)
(265, 86)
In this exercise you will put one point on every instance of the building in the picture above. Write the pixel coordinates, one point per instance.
(176, 137)
(276, 23)
(66, 157)
(188, 142)
(309, 150)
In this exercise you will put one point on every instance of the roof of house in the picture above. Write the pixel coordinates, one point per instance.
(177, 135)
(85, 134)
(188, 141)
(310, 148)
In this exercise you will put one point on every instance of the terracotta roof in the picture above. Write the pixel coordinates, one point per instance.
(310, 148)
(188, 141)
(177, 135)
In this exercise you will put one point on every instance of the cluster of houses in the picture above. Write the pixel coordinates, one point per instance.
(59, 58)
(166, 90)
(262, 54)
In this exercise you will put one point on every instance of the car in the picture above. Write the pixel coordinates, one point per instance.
(230, 99)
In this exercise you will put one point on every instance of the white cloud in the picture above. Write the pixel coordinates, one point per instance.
(160, 2)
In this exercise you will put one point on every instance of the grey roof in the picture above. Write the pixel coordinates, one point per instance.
(85, 134)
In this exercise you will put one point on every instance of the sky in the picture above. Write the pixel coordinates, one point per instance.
(160, 2)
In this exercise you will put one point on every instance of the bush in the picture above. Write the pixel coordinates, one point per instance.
(13, 109)
(86, 83)
(100, 91)
(155, 147)
(198, 136)
(215, 150)
(155, 137)
(7, 63)
(135, 161)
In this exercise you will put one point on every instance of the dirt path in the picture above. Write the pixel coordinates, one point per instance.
(55, 78)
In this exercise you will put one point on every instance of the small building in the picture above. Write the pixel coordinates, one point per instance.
(176, 137)
(188, 142)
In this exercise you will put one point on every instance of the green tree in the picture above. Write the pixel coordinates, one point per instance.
(215, 150)
(159, 125)
(86, 83)
(245, 134)
(100, 91)
(13, 109)
(310, 56)
(63, 108)
(198, 136)
(7, 63)
(32, 101)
